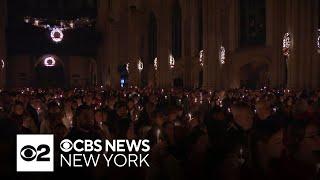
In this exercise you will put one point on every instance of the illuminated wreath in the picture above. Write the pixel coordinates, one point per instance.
(49, 61)
(56, 35)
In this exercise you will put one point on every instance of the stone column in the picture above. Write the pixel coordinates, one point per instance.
(210, 44)
(188, 21)
(315, 81)
(134, 77)
(275, 29)
(164, 45)
(3, 57)
(291, 27)
(102, 53)
(299, 21)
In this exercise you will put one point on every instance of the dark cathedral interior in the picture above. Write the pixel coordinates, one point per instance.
(160, 89)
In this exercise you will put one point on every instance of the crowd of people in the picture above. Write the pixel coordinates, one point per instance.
(194, 134)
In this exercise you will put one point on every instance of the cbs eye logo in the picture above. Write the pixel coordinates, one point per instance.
(35, 153)
(66, 145)
(29, 153)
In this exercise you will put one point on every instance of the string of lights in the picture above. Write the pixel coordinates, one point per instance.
(56, 27)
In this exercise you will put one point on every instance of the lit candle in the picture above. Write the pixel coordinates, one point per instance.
(195, 100)
(241, 158)
(136, 117)
(36, 22)
(274, 109)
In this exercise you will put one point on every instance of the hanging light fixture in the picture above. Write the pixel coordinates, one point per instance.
(2, 64)
(286, 44)
(57, 27)
(222, 55)
(155, 63)
(201, 58)
(127, 67)
(140, 65)
(171, 61)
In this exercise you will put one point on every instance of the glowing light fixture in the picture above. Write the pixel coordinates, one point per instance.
(201, 58)
(56, 35)
(171, 61)
(2, 64)
(222, 55)
(49, 61)
(140, 65)
(286, 44)
(127, 67)
(155, 63)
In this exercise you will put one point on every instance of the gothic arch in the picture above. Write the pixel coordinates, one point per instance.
(244, 60)
(42, 58)
(49, 76)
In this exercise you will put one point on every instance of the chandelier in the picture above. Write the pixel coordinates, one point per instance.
(286, 44)
(57, 27)
(2, 64)
(201, 58)
(155, 63)
(140, 65)
(171, 61)
(222, 55)
(127, 67)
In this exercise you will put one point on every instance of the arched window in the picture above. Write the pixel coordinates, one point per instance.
(153, 37)
(176, 30)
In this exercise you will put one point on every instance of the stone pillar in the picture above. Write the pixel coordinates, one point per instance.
(133, 41)
(188, 21)
(292, 27)
(3, 57)
(315, 81)
(210, 44)
(275, 29)
(164, 45)
(233, 25)
(299, 21)
(102, 54)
